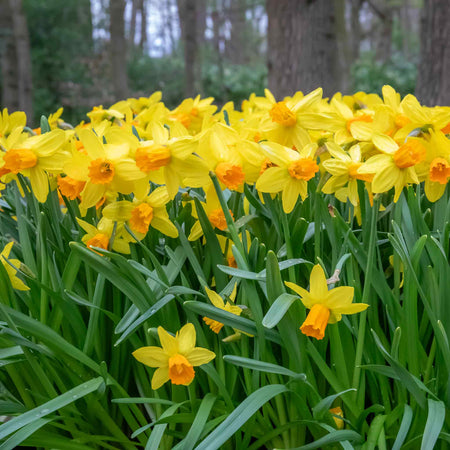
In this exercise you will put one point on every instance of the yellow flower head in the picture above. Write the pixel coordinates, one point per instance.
(218, 302)
(326, 306)
(176, 358)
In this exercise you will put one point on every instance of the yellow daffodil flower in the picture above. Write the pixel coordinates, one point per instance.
(176, 358)
(290, 172)
(326, 306)
(100, 236)
(37, 156)
(141, 214)
(104, 167)
(395, 166)
(343, 167)
(218, 302)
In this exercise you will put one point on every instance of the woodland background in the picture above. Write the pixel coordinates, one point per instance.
(81, 53)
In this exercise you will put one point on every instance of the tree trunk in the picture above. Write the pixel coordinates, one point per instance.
(355, 26)
(189, 12)
(132, 35)
(302, 50)
(118, 49)
(236, 48)
(344, 47)
(16, 60)
(143, 40)
(433, 82)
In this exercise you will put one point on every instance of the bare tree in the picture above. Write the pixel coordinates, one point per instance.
(433, 82)
(118, 48)
(302, 50)
(16, 59)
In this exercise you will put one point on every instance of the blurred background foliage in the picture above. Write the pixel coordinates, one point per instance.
(72, 55)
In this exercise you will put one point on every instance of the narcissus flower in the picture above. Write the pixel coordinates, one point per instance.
(218, 302)
(290, 174)
(326, 306)
(176, 358)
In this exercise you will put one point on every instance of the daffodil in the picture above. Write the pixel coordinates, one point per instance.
(395, 166)
(218, 302)
(343, 167)
(286, 121)
(176, 358)
(35, 157)
(142, 214)
(290, 174)
(326, 306)
(101, 235)
(104, 167)
(167, 160)
(191, 113)
(11, 266)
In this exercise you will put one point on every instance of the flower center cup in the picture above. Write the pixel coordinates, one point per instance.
(101, 171)
(281, 114)
(316, 321)
(303, 169)
(180, 370)
(231, 175)
(18, 159)
(141, 217)
(439, 170)
(153, 158)
(409, 154)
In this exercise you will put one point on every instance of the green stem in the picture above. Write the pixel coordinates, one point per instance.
(366, 293)
(230, 223)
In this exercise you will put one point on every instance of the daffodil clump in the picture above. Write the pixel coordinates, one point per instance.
(269, 276)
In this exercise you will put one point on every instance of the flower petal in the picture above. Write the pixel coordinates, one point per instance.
(340, 296)
(198, 356)
(318, 284)
(186, 339)
(152, 356)
(160, 377)
(168, 342)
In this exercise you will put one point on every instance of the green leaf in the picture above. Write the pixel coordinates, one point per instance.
(261, 366)
(278, 309)
(404, 428)
(45, 127)
(325, 404)
(198, 424)
(331, 438)
(435, 421)
(18, 437)
(240, 416)
(227, 318)
(50, 406)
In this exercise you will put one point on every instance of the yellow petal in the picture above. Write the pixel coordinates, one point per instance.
(199, 356)
(168, 342)
(340, 296)
(351, 309)
(160, 377)
(215, 298)
(186, 339)
(92, 144)
(272, 180)
(152, 356)
(318, 284)
(165, 226)
(39, 183)
(291, 192)
(385, 143)
(118, 211)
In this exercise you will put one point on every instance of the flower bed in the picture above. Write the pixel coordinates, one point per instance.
(270, 277)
